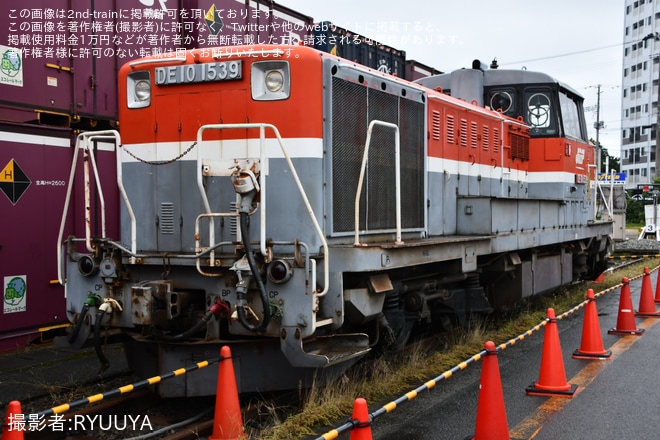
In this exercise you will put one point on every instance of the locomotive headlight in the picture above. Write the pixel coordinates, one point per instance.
(138, 89)
(87, 266)
(142, 90)
(279, 271)
(270, 80)
(274, 81)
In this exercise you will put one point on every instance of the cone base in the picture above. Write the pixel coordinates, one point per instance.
(605, 355)
(636, 332)
(648, 315)
(532, 390)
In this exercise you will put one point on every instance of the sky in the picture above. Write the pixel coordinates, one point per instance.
(579, 42)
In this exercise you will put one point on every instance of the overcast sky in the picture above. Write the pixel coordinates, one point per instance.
(579, 42)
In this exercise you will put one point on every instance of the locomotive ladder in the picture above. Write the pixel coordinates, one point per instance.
(84, 143)
(608, 201)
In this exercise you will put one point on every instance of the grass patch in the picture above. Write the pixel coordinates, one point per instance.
(383, 377)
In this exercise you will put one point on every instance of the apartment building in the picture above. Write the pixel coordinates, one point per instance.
(641, 70)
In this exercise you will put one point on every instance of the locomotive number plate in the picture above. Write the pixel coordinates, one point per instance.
(203, 72)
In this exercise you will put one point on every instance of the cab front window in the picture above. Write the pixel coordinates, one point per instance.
(570, 115)
(540, 112)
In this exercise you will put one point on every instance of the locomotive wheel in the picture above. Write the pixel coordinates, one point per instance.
(396, 339)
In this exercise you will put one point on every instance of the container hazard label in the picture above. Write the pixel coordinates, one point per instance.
(15, 294)
(13, 181)
(214, 20)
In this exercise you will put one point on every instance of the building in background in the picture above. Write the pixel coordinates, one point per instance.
(639, 112)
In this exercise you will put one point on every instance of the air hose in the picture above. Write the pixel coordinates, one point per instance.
(241, 289)
(91, 301)
(97, 338)
(213, 310)
(109, 304)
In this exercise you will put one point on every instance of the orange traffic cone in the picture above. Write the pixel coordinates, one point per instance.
(491, 415)
(14, 422)
(592, 341)
(227, 421)
(657, 288)
(552, 379)
(362, 430)
(646, 304)
(625, 322)
(600, 279)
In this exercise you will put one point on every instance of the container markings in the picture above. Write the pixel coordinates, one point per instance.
(13, 181)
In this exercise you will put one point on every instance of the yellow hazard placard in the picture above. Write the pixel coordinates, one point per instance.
(13, 181)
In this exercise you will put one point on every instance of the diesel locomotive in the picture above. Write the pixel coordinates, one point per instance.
(303, 209)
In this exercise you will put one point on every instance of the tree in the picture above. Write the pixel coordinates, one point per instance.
(614, 162)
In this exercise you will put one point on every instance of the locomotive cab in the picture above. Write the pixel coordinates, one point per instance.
(558, 146)
(550, 108)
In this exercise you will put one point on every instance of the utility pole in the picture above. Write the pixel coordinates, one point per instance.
(598, 125)
(657, 122)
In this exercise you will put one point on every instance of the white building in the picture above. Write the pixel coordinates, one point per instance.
(639, 113)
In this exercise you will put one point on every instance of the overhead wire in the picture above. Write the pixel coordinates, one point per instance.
(563, 54)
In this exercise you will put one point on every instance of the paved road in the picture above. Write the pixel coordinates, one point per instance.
(615, 399)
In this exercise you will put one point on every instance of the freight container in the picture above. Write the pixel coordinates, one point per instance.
(416, 70)
(61, 58)
(35, 163)
(360, 49)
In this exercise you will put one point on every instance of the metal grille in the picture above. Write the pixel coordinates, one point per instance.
(167, 218)
(474, 134)
(519, 147)
(497, 141)
(485, 137)
(354, 107)
(450, 129)
(233, 220)
(463, 132)
(436, 125)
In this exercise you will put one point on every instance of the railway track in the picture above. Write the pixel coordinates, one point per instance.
(143, 415)
(123, 410)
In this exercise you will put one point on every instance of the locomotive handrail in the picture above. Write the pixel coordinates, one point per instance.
(87, 159)
(82, 142)
(94, 137)
(397, 178)
(213, 246)
(262, 157)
